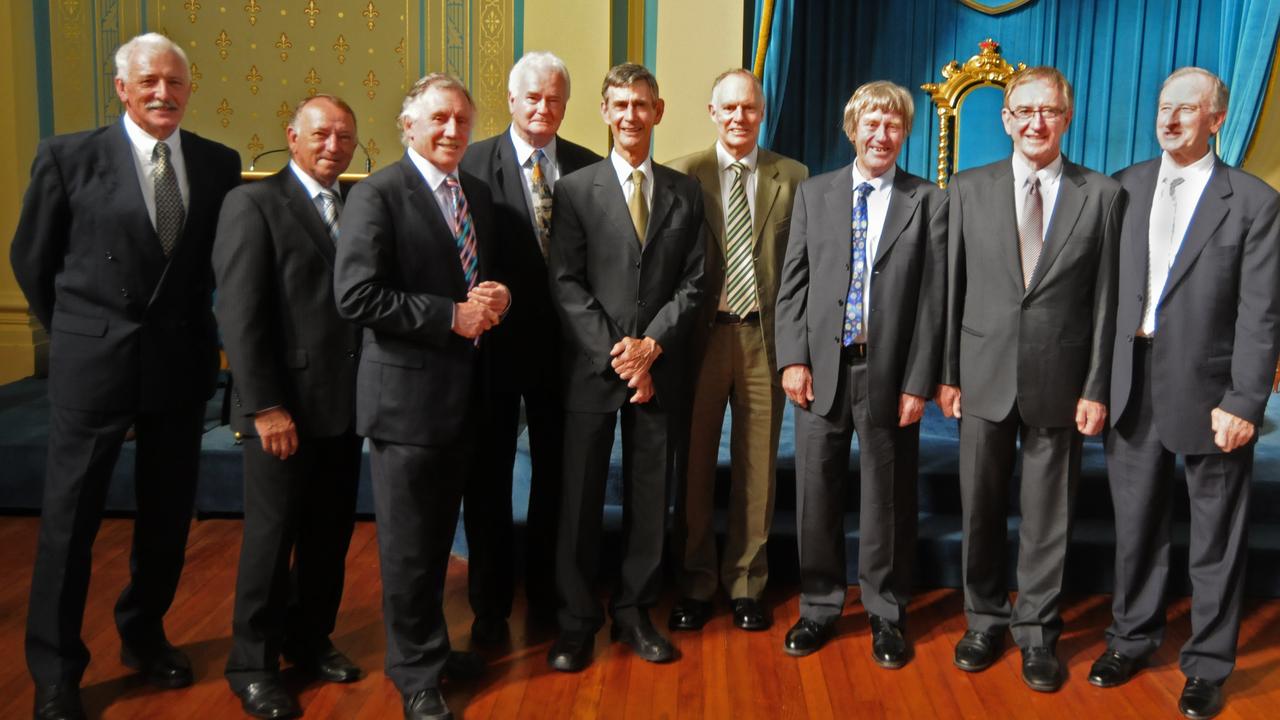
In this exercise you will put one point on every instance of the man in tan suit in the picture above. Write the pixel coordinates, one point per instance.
(747, 192)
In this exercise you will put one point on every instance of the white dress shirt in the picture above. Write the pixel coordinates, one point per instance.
(1168, 223)
(143, 146)
(877, 210)
(623, 170)
(435, 178)
(1050, 179)
(727, 176)
(550, 170)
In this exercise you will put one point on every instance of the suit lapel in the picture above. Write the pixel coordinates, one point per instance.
(707, 172)
(767, 189)
(610, 198)
(1208, 215)
(120, 176)
(303, 210)
(1066, 210)
(434, 227)
(663, 199)
(1139, 230)
(902, 205)
(839, 199)
(510, 176)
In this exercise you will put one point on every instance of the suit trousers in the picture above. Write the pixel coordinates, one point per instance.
(1141, 475)
(1050, 472)
(302, 506)
(888, 465)
(734, 370)
(83, 449)
(645, 462)
(487, 512)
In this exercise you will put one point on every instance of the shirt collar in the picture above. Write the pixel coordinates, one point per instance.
(1048, 174)
(1202, 167)
(724, 159)
(884, 180)
(312, 185)
(145, 143)
(432, 174)
(623, 168)
(524, 149)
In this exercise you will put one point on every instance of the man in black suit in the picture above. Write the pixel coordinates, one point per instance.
(859, 328)
(521, 166)
(1031, 287)
(112, 252)
(414, 268)
(1195, 353)
(294, 404)
(626, 268)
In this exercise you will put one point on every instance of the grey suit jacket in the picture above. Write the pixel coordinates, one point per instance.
(287, 346)
(1218, 319)
(776, 181)
(1049, 345)
(607, 288)
(904, 343)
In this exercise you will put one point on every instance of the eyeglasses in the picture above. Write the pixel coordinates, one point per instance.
(1026, 113)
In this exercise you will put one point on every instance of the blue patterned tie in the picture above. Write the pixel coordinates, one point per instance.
(857, 275)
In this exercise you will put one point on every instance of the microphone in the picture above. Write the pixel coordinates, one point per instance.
(368, 161)
(263, 154)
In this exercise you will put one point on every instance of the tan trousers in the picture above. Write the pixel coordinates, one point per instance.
(734, 370)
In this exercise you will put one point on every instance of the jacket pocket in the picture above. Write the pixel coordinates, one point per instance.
(971, 331)
(396, 357)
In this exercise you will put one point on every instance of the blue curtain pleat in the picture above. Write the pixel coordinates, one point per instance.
(1116, 53)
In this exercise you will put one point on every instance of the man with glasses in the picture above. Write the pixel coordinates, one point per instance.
(1031, 286)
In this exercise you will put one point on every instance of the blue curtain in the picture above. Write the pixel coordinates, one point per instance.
(1116, 53)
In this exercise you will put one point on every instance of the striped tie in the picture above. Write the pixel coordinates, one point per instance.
(1031, 230)
(464, 231)
(740, 284)
(541, 193)
(329, 211)
(170, 214)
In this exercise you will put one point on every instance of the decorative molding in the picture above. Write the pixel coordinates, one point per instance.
(993, 9)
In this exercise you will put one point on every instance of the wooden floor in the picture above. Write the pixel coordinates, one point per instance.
(723, 672)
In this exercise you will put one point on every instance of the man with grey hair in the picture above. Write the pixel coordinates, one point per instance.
(747, 193)
(865, 266)
(1195, 352)
(112, 251)
(521, 166)
(415, 267)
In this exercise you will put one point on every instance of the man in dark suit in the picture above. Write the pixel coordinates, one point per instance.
(112, 252)
(1195, 349)
(747, 194)
(521, 166)
(626, 268)
(414, 268)
(294, 404)
(1031, 287)
(859, 328)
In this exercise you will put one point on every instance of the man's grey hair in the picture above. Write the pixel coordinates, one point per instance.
(533, 64)
(755, 82)
(411, 109)
(149, 44)
(304, 102)
(1219, 96)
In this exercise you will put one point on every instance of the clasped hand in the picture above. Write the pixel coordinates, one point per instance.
(483, 309)
(632, 358)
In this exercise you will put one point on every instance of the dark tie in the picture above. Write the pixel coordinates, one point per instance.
(1031, 229)
(170, 214)
(329, 211)
(541, 193)
(464, 232)
(857, 275)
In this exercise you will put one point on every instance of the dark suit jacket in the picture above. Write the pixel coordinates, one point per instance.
(532, 322)
(606, 288)
(129, 330)
(776, 182)
(286, 343)
(397, 273)
(904, 342)
(1218, 319)
(1049, 345)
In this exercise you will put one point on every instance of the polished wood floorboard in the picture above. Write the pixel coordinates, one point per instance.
(723, 672)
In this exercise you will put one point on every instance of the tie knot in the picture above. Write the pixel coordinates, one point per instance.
(1033, 182)
(538, 156)
(1174, 182)
(327, 196)
(738, 168)
(161, 151)
(451, 182)
(864, 189)
(637, 178)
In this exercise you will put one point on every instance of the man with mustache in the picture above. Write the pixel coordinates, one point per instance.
(112, 252)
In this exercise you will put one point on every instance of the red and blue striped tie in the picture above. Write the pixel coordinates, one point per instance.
(464, 232)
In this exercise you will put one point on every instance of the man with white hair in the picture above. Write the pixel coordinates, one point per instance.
(112, 252)
(521, 166)
(414, 268)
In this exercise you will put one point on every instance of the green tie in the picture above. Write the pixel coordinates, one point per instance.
(740, 283)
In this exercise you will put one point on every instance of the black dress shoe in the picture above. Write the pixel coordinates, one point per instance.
(888, 646)
(330, 665)
(976, 651)
(749, 615)
(462, 666)
(1200, 699)
(645, 640)
(689, 614)
(806, 636)
(58, 702)
(1113, 668)
(164, 666)
(489, 631)
(1041, 670)
(571, 652)
(427, 705)
(267, 699)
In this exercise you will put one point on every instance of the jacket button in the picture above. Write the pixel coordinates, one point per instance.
(1026, 305)
(1129, 338)
(124, 292)
(1139, 297)
(840, 302)
(110, 257)
(641, 303)
(351, 354)
(637, 266)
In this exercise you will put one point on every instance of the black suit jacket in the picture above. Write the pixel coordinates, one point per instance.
(1218, 319)
(607, 288)
(129, 330)
(287, 346)
(397, 273)
(1049, 345)
(904, 343)
(532, 322)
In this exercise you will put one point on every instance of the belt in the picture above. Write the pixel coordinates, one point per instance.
(728, 318)
(855, 353)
